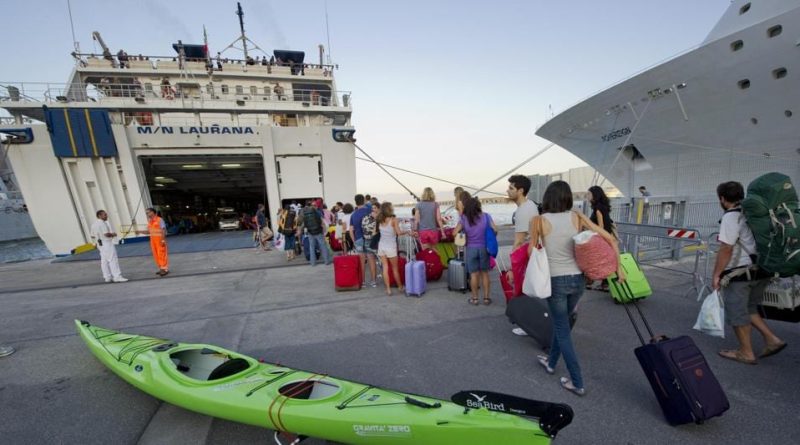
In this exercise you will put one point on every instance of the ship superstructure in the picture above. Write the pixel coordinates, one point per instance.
(188, 133)
(726, 110)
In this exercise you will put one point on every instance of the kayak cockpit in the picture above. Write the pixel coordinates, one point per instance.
(309, 389)
(207, 364)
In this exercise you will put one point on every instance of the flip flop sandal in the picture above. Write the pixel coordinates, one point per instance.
(487, 301)
(473, 301)
(772, 350)
(544, 361)
(736, 356)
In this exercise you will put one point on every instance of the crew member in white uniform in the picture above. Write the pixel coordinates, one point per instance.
(104, 237)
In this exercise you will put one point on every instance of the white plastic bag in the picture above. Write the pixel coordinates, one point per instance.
(711, 319)
(279, 241)
(537, 275)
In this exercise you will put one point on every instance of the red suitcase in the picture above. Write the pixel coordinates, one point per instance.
(347, 272)
(433, 264)
(401, 267)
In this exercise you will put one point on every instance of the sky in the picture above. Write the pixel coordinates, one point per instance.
(451, 89)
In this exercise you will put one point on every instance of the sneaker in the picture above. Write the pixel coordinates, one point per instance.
(519, 331)
(120, 280)
(567, 384)
(373, 284)
(108, 280)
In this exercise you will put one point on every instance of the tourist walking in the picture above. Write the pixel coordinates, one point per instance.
(263, 232)
(157, 230)
(518, 188)
(556, 227)
(104, 239)
(474, 223)
(428, 219)
(743, 291)
(389, 230)
(287, 225)
(312, 222)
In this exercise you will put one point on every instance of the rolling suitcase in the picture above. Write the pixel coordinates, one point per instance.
(681, 379)
(635, 286)
(533, 316)
(401, 268)
(347, 272)
(457, 277)
(433, 264)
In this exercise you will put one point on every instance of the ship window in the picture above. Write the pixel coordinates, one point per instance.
(224, 89)
(254, 90)
(737, 45)
(774, 31)
(148, 87)
(210, 89)
(239, 89)
(744, 84)
(787, 113)
(779, 73)
(744, 8)
(266, 91)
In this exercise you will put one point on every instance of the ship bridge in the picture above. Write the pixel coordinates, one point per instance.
(185, 134)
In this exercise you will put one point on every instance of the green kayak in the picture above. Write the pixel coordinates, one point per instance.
(221, 383)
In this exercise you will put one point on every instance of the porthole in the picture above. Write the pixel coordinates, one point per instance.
(779, 73)
(744, 84)
(737, 45)
(754, 121)
(774, 31)
(787, 113)
(744, 8)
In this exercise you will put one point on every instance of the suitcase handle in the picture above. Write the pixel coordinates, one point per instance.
(629, 294)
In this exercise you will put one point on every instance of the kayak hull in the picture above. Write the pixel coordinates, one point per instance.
(220, 383)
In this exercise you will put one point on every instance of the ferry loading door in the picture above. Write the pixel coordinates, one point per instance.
(299, 176)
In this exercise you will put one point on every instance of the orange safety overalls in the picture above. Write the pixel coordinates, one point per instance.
(158, 247)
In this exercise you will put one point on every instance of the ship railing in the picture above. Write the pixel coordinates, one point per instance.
(184, 90)
(90, 60)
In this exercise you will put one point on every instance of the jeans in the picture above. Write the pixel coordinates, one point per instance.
(566, 291)
(313, 242)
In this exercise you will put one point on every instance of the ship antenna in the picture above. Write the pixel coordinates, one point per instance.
(72, 28)
(327, 32)
(240, 13)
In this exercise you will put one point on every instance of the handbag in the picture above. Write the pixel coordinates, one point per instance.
(376, 239)
(491, 238)
(460, 239)
(595, 257)
(711, 319)
(537, 273)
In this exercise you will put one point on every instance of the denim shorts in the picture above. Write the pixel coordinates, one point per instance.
(477, 259)
(362, 246)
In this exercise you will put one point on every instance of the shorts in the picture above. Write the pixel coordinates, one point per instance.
(429, 236)
(266, 233)
(362, 247)
(289, 241)
(389, 251)
(741, 300)
(476, 259)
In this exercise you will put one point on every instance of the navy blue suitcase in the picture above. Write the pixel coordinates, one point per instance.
(682, 381)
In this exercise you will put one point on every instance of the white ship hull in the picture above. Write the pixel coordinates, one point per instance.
(691, 119)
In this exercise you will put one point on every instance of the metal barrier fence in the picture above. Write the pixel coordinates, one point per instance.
(702, 216)
(651, 242)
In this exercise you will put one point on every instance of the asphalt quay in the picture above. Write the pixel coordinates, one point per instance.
(52, 390)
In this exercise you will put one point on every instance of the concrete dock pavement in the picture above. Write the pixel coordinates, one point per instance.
(52, 390)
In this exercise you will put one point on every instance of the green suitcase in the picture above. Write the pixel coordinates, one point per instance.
(636, 285)
(446, 251)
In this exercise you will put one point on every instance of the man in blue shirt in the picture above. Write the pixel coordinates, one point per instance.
(357, 234)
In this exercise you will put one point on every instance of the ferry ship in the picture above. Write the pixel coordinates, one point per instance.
(726, 110)
(187, 133)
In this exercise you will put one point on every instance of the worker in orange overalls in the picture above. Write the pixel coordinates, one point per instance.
(157, 230)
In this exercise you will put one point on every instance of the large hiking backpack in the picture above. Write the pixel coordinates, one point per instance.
(771, 211)
(288, 227)
(312, 220)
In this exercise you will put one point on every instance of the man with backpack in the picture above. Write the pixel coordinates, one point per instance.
(312, 222)
(734, 271)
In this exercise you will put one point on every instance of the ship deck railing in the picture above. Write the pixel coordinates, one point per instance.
(155, 63)
(151, 93)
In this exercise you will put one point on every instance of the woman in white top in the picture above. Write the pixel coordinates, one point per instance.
(556, 227)
(344, 223)
(387, 246)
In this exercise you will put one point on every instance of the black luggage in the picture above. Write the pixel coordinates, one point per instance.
(684, 385)
(533, 316)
